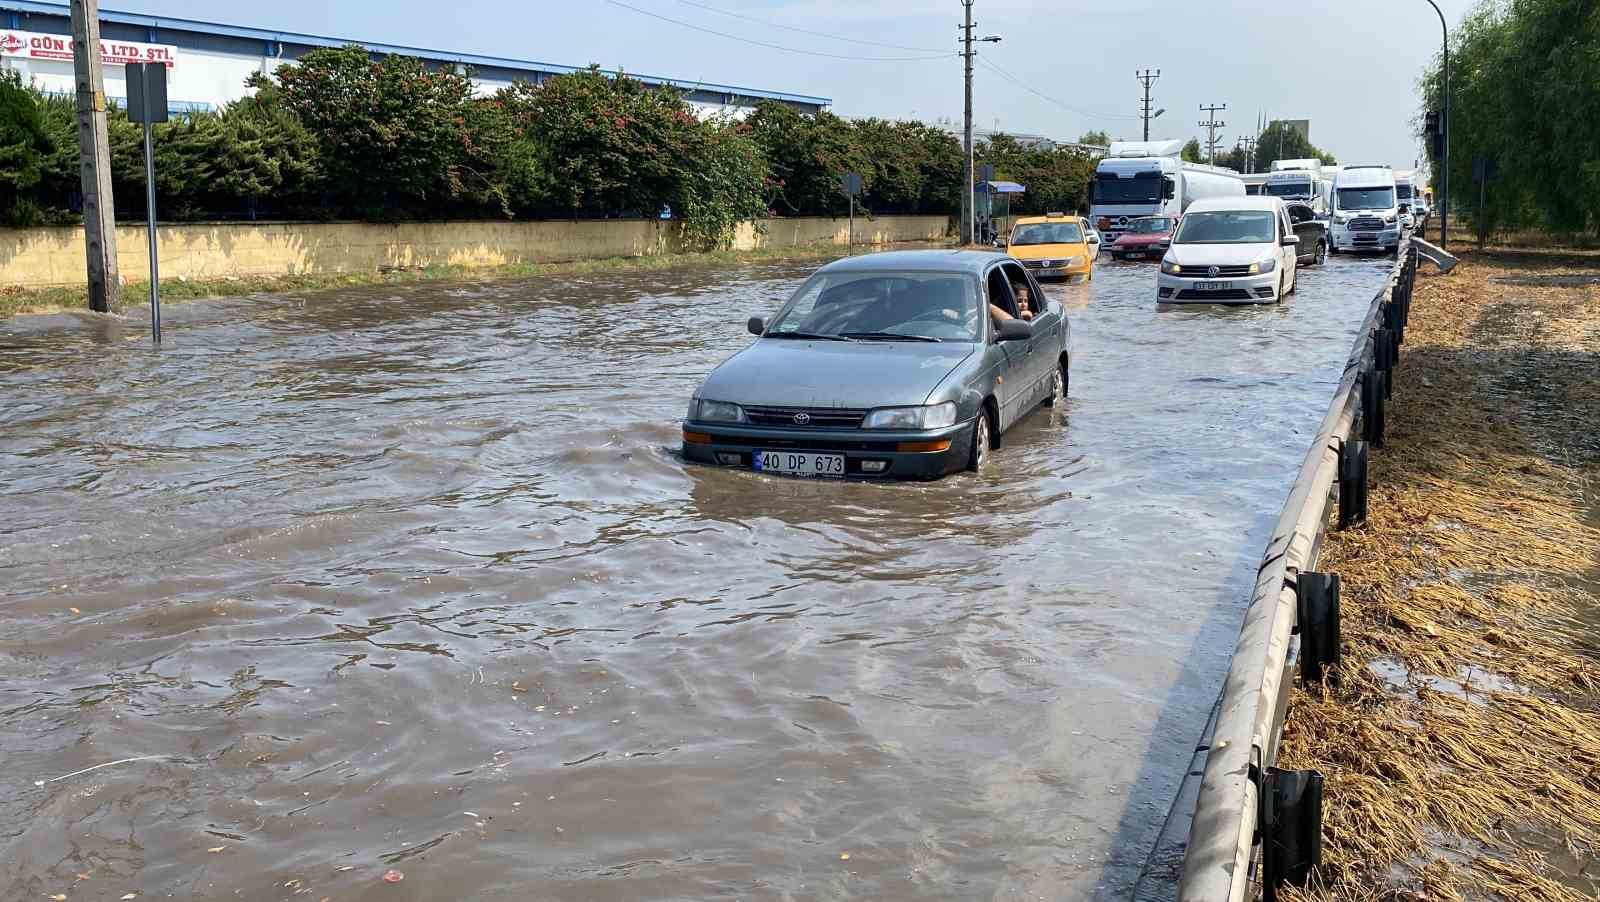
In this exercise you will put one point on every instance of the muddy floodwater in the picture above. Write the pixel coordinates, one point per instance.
(413, 578)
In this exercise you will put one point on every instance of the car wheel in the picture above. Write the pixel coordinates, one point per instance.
(1279, 298)
(1322, 253)
(1294, 284)
(980, 442)
(1058, 386)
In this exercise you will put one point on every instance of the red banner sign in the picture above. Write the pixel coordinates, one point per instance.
(33, 45)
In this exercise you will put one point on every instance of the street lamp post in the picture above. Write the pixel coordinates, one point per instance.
(1444, 190)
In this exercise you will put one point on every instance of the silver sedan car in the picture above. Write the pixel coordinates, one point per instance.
(908, 364)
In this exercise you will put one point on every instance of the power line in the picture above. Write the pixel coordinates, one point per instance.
(798, 30)
(770, 46)
(1026, 87)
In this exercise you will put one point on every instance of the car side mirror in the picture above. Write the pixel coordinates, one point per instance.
(756, 325)
(1289, 241)
(999, 242)
(1015, 330)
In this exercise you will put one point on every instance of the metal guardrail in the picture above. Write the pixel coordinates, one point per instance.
(1245, 810)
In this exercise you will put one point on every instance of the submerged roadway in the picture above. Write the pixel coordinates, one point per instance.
(413, 577)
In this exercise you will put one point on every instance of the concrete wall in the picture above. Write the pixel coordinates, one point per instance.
(36, 258)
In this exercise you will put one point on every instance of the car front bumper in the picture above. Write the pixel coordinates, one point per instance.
(1057, 270)
(1345, 240)
(1145, 251)
(1261, 289)
(730, 445)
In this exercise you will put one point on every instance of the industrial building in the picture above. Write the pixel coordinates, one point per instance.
(209, 61)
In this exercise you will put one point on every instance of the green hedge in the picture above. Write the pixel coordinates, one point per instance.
(343, 135)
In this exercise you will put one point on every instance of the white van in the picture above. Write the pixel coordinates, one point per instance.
(1230, 250)
(1366, 210)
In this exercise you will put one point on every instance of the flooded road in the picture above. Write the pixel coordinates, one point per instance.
(412, 577)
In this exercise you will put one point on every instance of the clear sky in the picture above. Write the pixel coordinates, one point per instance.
(1350, 66)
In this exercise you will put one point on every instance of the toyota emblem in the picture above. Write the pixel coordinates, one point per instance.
(1213, 272)
(802, 418)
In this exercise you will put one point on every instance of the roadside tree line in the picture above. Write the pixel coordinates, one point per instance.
(341, 135)
(1525, 94)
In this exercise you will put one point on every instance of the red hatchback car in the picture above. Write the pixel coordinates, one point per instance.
(1147, 236)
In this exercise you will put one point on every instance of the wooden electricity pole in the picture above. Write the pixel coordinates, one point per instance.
(94, 156)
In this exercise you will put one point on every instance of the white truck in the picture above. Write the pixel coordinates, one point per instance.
(1314, 166)
(1150, 178)
(1366, 210)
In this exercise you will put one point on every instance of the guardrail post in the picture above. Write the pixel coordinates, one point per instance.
(1373, 390)
(1291, 828)
(1352, 483)
(1317, 617)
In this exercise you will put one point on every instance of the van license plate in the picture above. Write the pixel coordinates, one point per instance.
(799, 463)
(1213, 286)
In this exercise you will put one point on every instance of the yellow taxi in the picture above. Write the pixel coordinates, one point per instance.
(1052, 246)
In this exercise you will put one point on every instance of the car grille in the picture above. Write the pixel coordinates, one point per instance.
(1231, 294)
(805, 417)
(1042, 264)
(1222, 272)
(1366, 224)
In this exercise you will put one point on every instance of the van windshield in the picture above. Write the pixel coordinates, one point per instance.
(1228, 227)
(1405, 191)
(1366, 198)
(1144, 188)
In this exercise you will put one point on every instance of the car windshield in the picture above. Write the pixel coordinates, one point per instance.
(881, 306)
(1366, 198)
(1047, 233)
(1144, 188)
(1228, 227)
(1150, 226)
(1289, 189)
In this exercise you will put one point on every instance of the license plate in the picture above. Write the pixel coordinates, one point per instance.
(1213, 286)
(1366, 237)
(799, 463)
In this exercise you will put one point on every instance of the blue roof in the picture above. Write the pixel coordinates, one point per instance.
(313, 40)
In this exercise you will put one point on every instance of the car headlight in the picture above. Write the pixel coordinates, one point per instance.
(932, 416)
(1076, 260)
(1170, 266)
(1265, 265)
(718, 412)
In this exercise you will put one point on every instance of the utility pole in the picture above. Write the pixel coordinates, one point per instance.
(1212, 124)
(1249, 144)
(968, 201)
(94, 154)
(1147, 78)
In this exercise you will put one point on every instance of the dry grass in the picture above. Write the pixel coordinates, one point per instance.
(1467, 724)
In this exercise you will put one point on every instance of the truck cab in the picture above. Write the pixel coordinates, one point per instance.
(1366, 210)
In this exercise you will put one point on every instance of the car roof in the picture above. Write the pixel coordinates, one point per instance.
(1054, 217)
(1246, 202)
(962, 261)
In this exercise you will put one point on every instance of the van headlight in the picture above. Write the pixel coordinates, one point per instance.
(1170, 266)
(716, 412)
(931, 416)
(1340, 218)
(1266, 264)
